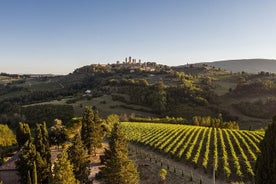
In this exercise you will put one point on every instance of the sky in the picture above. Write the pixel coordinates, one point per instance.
(58, 36)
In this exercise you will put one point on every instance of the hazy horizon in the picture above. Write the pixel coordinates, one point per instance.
(59, 36)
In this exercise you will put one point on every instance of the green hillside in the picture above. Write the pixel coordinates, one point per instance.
(246, 65)
(146, 90)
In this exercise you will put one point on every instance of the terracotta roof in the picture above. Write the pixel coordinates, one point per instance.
(10, 164)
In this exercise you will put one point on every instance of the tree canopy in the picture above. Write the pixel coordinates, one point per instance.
(7, 137)
(78, 156)
(265, 170)
(57, 133)
(118, 168)
(91, 131)
(23, 134)
(63, 170)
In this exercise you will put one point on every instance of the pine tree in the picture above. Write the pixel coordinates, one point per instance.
(78, 157)
(118, 168)
(23, 134)
(63, 170)
(265, 169)
(91, 133)
(44, 157)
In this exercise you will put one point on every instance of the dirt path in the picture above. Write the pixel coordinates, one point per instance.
(96, 163)
(153, 166)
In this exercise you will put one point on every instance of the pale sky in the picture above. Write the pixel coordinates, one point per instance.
(57, 36)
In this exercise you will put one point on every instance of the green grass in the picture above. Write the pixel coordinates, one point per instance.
(104, 104)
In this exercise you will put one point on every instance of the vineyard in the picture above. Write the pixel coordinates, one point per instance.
(231, 153)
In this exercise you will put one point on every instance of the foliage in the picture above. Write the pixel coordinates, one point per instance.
(166, 120)
(214, 122)
(47, 113)
(94, 68)
(258, 108)
(73, 127)
(91, 132)
(255, 87)
(159, 98)
(163, 174)
(23, 134)
(26, 162)
(34, 163)
(34, 174)
(108, 124)
(118, 168)
(43, 148)
(112, 119)
(266, 162)
(77, 154)
(10, 114)
(63, 170)
(57, 133)
(7, 137)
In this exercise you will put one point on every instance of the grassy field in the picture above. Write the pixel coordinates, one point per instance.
(104, 104)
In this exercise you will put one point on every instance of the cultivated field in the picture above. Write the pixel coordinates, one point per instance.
(230, 153)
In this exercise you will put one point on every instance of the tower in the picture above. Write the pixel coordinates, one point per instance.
(129, 59)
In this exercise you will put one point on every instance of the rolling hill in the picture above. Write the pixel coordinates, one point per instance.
(247, 65)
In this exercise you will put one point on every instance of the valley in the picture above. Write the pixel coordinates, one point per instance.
(186, 115)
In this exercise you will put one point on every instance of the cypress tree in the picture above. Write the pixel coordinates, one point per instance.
(78, 157)
(23, 134)
(265, 169)
(86, 118)
(91, 133)
(34, 174)
(44, 157)
(46, 143)
(42, 141)
(63, 170)
(25, 163)
(29, 179)
(118, 168)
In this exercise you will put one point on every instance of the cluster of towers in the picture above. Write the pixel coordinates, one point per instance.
(129, 60)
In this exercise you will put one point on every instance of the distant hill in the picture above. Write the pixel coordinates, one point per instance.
(247, 65)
